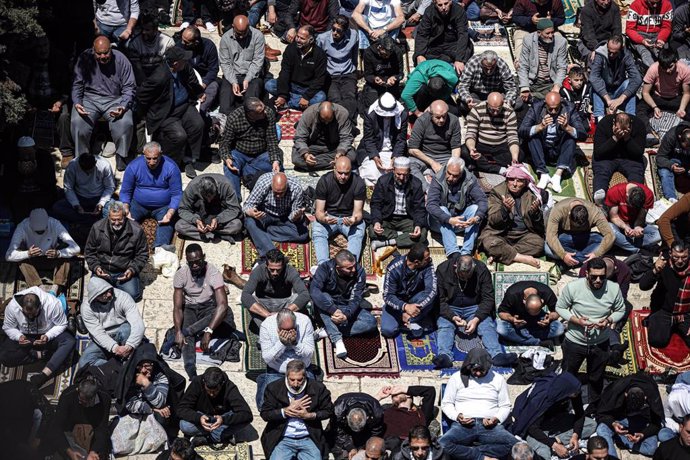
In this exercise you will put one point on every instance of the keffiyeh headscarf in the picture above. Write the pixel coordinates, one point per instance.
(519, 171)
(387, 106)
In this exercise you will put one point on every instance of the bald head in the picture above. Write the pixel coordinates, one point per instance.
(191, 37)
(279, 184)
(495, 100)
(343, 163)
(439, 107)
(240, 25)
(375, 447)
(101, 42)
(101, 50)
(326, 114)
(552, 98)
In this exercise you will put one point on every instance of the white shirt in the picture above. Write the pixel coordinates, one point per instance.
(483, 398)
(25, 237)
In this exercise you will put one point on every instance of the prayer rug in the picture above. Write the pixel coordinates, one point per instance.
(241, 451)
(588, 179)
(503, 280)
(682, 182)
(567, 185)
(570, 8)
(438, 256)
(631, 365)
(339, 242)
(657, 360)
(489, 34)
(369, 355)
(297, 254)
(287, 121)
(253, 362)
(75, 291)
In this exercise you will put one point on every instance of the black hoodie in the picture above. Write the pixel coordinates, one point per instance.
(229, 404)
(477, 357)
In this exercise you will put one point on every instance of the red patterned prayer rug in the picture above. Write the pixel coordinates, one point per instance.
(297, 254)
(368, 356)
(675, 355)
(287, 124)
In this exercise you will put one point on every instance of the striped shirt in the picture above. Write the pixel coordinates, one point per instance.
(400, 202)
(492, 130)
(473, 80)
(263, 199)
(543, 74)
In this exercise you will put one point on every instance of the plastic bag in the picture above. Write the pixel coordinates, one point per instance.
(166, 261)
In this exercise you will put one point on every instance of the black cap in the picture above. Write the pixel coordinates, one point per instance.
(176, 53)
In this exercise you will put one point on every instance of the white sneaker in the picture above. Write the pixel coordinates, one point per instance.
(556, 183)
(672, 200)
(210, 27)
(320, 333)
(544, 180)
(599, 197)
(184, 25)
(340, 350)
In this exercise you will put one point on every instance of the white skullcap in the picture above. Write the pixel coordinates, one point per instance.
(25, 142)
(401, 162)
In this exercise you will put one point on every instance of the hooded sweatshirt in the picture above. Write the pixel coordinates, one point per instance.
(642, 19)
(474, 397)
(51, 319)
(54, 236)
(143, 400)
(606, 75)
(103, 320)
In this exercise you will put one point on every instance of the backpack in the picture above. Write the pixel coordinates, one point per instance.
(638, 265)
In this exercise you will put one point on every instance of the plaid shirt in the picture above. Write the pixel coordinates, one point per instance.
(474, 80)
(263, 199)
(400, 202)
(251, 139)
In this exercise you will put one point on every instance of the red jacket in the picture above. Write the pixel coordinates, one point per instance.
(654, 21)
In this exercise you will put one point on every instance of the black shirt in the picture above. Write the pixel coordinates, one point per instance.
(672, 450)
(340, 199)
(513, 299)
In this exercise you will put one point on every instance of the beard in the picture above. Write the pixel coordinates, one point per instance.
(117, 228)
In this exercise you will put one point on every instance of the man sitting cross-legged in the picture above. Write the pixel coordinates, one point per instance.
(274, 212)
(36, 328)
(200, 304)
(527, 314)
(337, 293)
(409, 294)
(628, 204)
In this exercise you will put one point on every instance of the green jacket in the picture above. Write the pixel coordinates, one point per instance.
(421, 75)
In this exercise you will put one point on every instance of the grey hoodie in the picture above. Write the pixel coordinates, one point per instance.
(103, 320)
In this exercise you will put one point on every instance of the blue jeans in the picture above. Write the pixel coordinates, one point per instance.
(579, 243)
(364, 38)
(563, 152)
(164, 233)
(391, 320)
(96, 355)
(668, 180)
(256, 11)
(321, 232)
(486, 329)
(300, 449)
(247, 166)
(112, 32)
(665, 434)
(448, 233)
(599, 107)
(362, 324)
(296, 92)
(646, 447)
(651, 236)
(263, 232)
(221, 434)
(531, 334)
(132, 286)
(493, 442)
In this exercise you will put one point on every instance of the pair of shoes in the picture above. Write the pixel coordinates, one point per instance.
(544, 180)
(340, 350)
(320, 333)
(230, 276)
(442, 361)
(189, 170)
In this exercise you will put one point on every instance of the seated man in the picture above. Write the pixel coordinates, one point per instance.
(443, 34)
(666, 88)
(249, 146)
(113, 321)
(680, 36)
(383, 71)
(543, 62)
(552, 128)
(455, 203)
(41, 242)
(284, 336)
(204, 61)
(403, 415)
(274, 211)
(628, 204)
(475, 420)
(167, 101)
(337, 294)
(273, 286)
(527, 314)
(339, 200)
(676, 447)
(491, 140)
(619, 144)
(669, 314)
(356, 418)
(375, 447)
(515, 224)
(409, 294)
(79, 428)
(568, 235)
(302, 73)
(340, 45)
(213, 409)
(599, 20)
(152, 187)
(323, 133)
(466, 297)
(384, 139)
(484, 74)
(631, 413)
(673, 161)
(116, 251)
(615, 79)
(376, 20)
(398, 214)
(145, 51)
(27, 180)
(36, 328)
(648, 27)
(578, 92)
(294, 410)
(420, 445)
(209, 209)
(551, 417)
(317, 16)
(89, 184)
(103, 86)
(430, 81)
(526, 15)
(435, 138)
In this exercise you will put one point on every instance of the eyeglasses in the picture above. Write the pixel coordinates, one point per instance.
(596, 277)
(415, 448)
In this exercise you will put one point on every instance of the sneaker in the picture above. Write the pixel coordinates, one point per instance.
(544, 180)
(340, 350)
(210, 27)
(672, 200)
(442, 361)
(378, 244)
(197, 441)
(190, 171)
(320, 333)
(184, 25)
(599, 197)
(556, 184)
